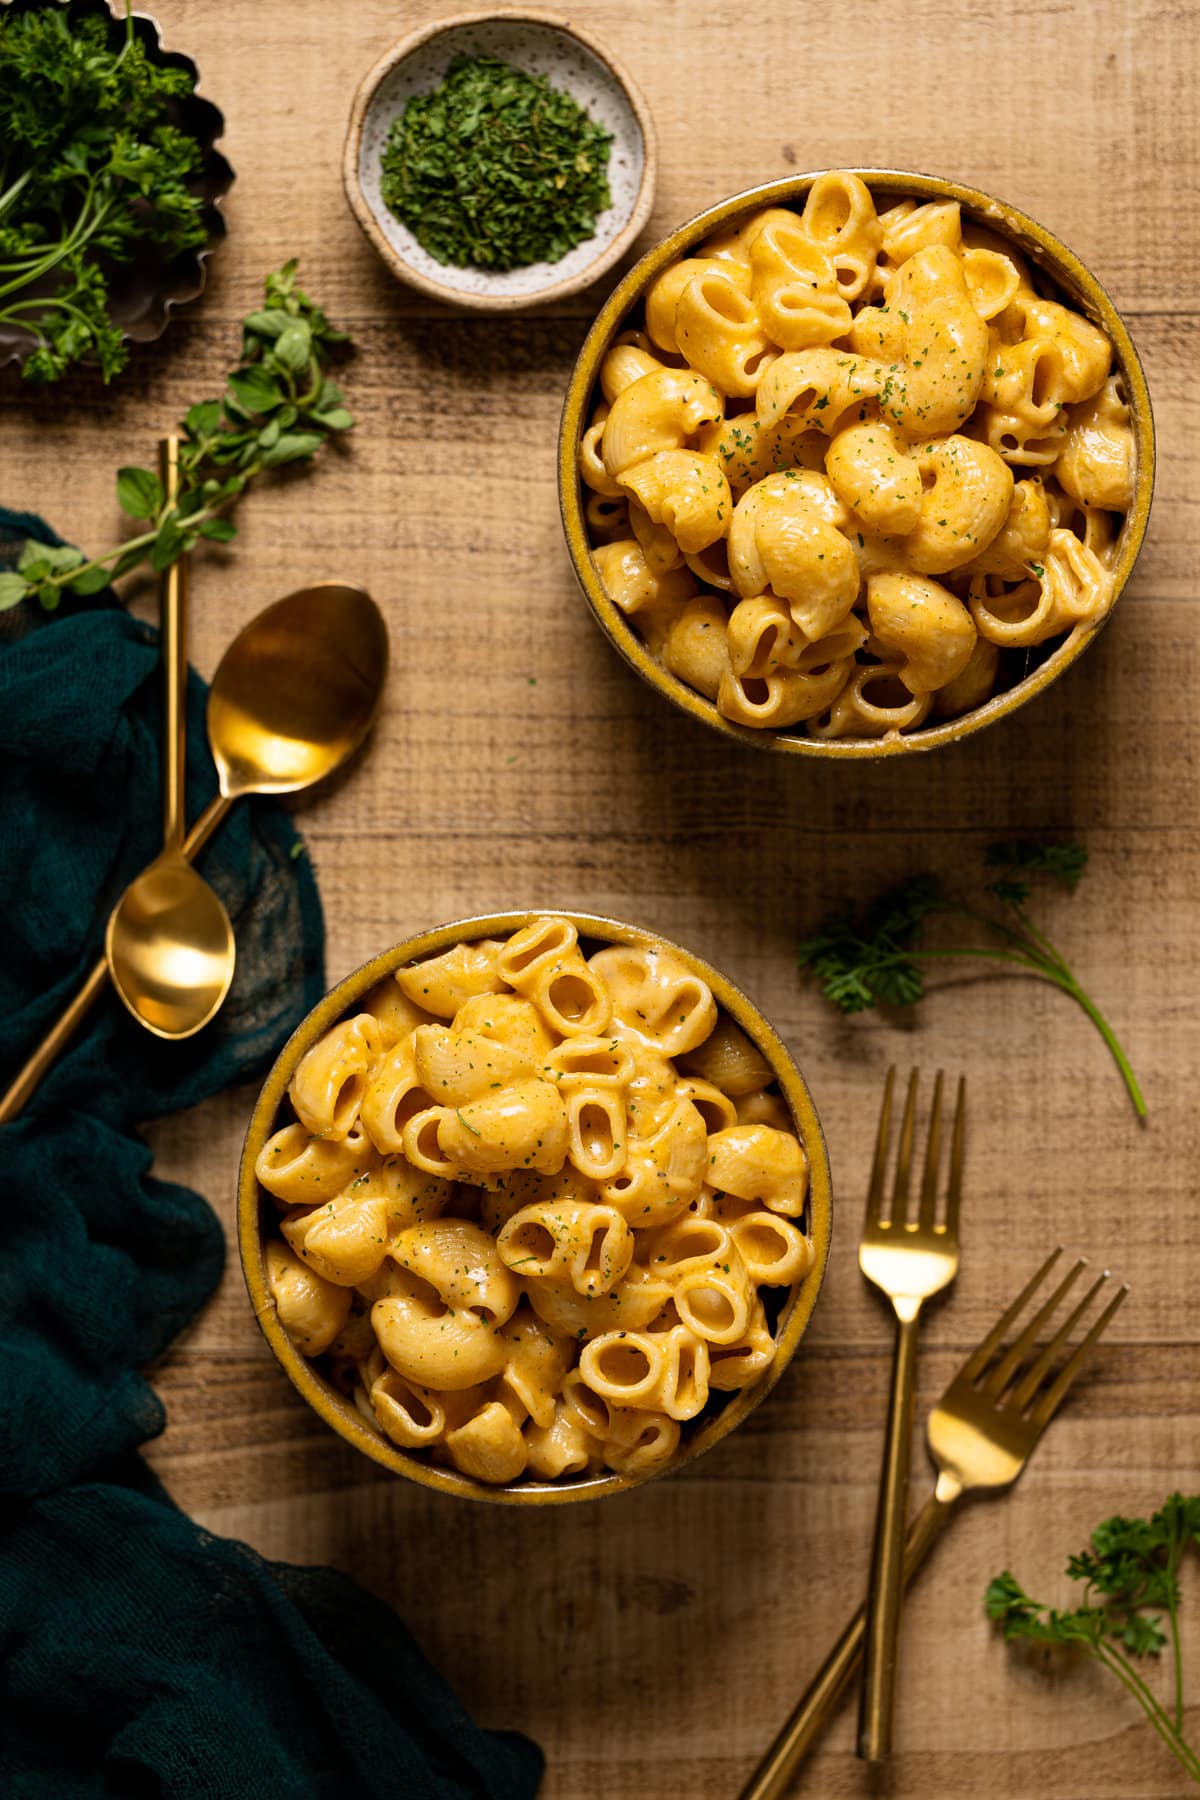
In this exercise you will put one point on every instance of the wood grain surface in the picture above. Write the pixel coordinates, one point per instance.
(652, 1643)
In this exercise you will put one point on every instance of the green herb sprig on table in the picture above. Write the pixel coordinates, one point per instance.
(90, 170)
(496, 168)
(875, 958)
(1130, 1567)
(280, 406)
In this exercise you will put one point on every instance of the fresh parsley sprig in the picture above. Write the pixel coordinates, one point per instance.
(91, 169)
(1129, 1567)
(280, 406)
(874, 958)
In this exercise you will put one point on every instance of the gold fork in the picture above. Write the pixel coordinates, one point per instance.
(909, 1260)
(981, 1434)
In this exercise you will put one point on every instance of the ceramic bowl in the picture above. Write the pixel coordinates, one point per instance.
(144, 293)
(1050, 257)
(258, 1217)
(543, 44)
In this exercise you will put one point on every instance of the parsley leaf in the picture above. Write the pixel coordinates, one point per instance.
(1065, 862)
(875, 957)
(1129, 1566)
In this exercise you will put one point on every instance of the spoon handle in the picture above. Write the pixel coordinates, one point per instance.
(206, 824)
(172, 619)
(73, 1015)
(53, 1043)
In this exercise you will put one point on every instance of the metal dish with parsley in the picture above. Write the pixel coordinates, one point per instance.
(110, 196)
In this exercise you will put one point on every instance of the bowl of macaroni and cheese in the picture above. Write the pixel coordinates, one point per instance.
(534, 1207)
(855, 463)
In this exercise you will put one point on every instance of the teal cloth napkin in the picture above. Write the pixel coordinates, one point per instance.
(139, 1655)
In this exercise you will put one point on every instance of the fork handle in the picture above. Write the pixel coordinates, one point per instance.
(885, 1588)
(773, 1775)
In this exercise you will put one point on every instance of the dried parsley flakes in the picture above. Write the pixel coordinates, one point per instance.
(496, 168)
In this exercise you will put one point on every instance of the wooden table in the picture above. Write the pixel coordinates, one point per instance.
(652, 1643)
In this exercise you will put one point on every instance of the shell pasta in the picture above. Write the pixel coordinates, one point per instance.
(851, 467)
(539, 1204)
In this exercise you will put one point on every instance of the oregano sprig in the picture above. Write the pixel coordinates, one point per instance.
(280, 406)
(876, 957)
(1129, 1567)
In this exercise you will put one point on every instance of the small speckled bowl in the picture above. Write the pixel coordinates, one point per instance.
(258, 1217)
(1050, 257)
(542, 44)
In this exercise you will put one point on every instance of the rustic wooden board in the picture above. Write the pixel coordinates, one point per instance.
(653, 1643)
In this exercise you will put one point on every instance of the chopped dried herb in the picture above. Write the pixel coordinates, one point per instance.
(496, 168)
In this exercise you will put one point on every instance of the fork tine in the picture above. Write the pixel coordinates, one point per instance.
(980, 1358)
(954, 1193)
(899, 1212)
(1033, 1377)
(1052, 1399)
(933, 1150)
(999, 1377)
(879, 1166)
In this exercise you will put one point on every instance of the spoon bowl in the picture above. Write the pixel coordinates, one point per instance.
(171, 949)
(297, 690)
(169, 944)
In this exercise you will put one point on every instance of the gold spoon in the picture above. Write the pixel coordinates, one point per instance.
(169, 944)
(293, 698)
